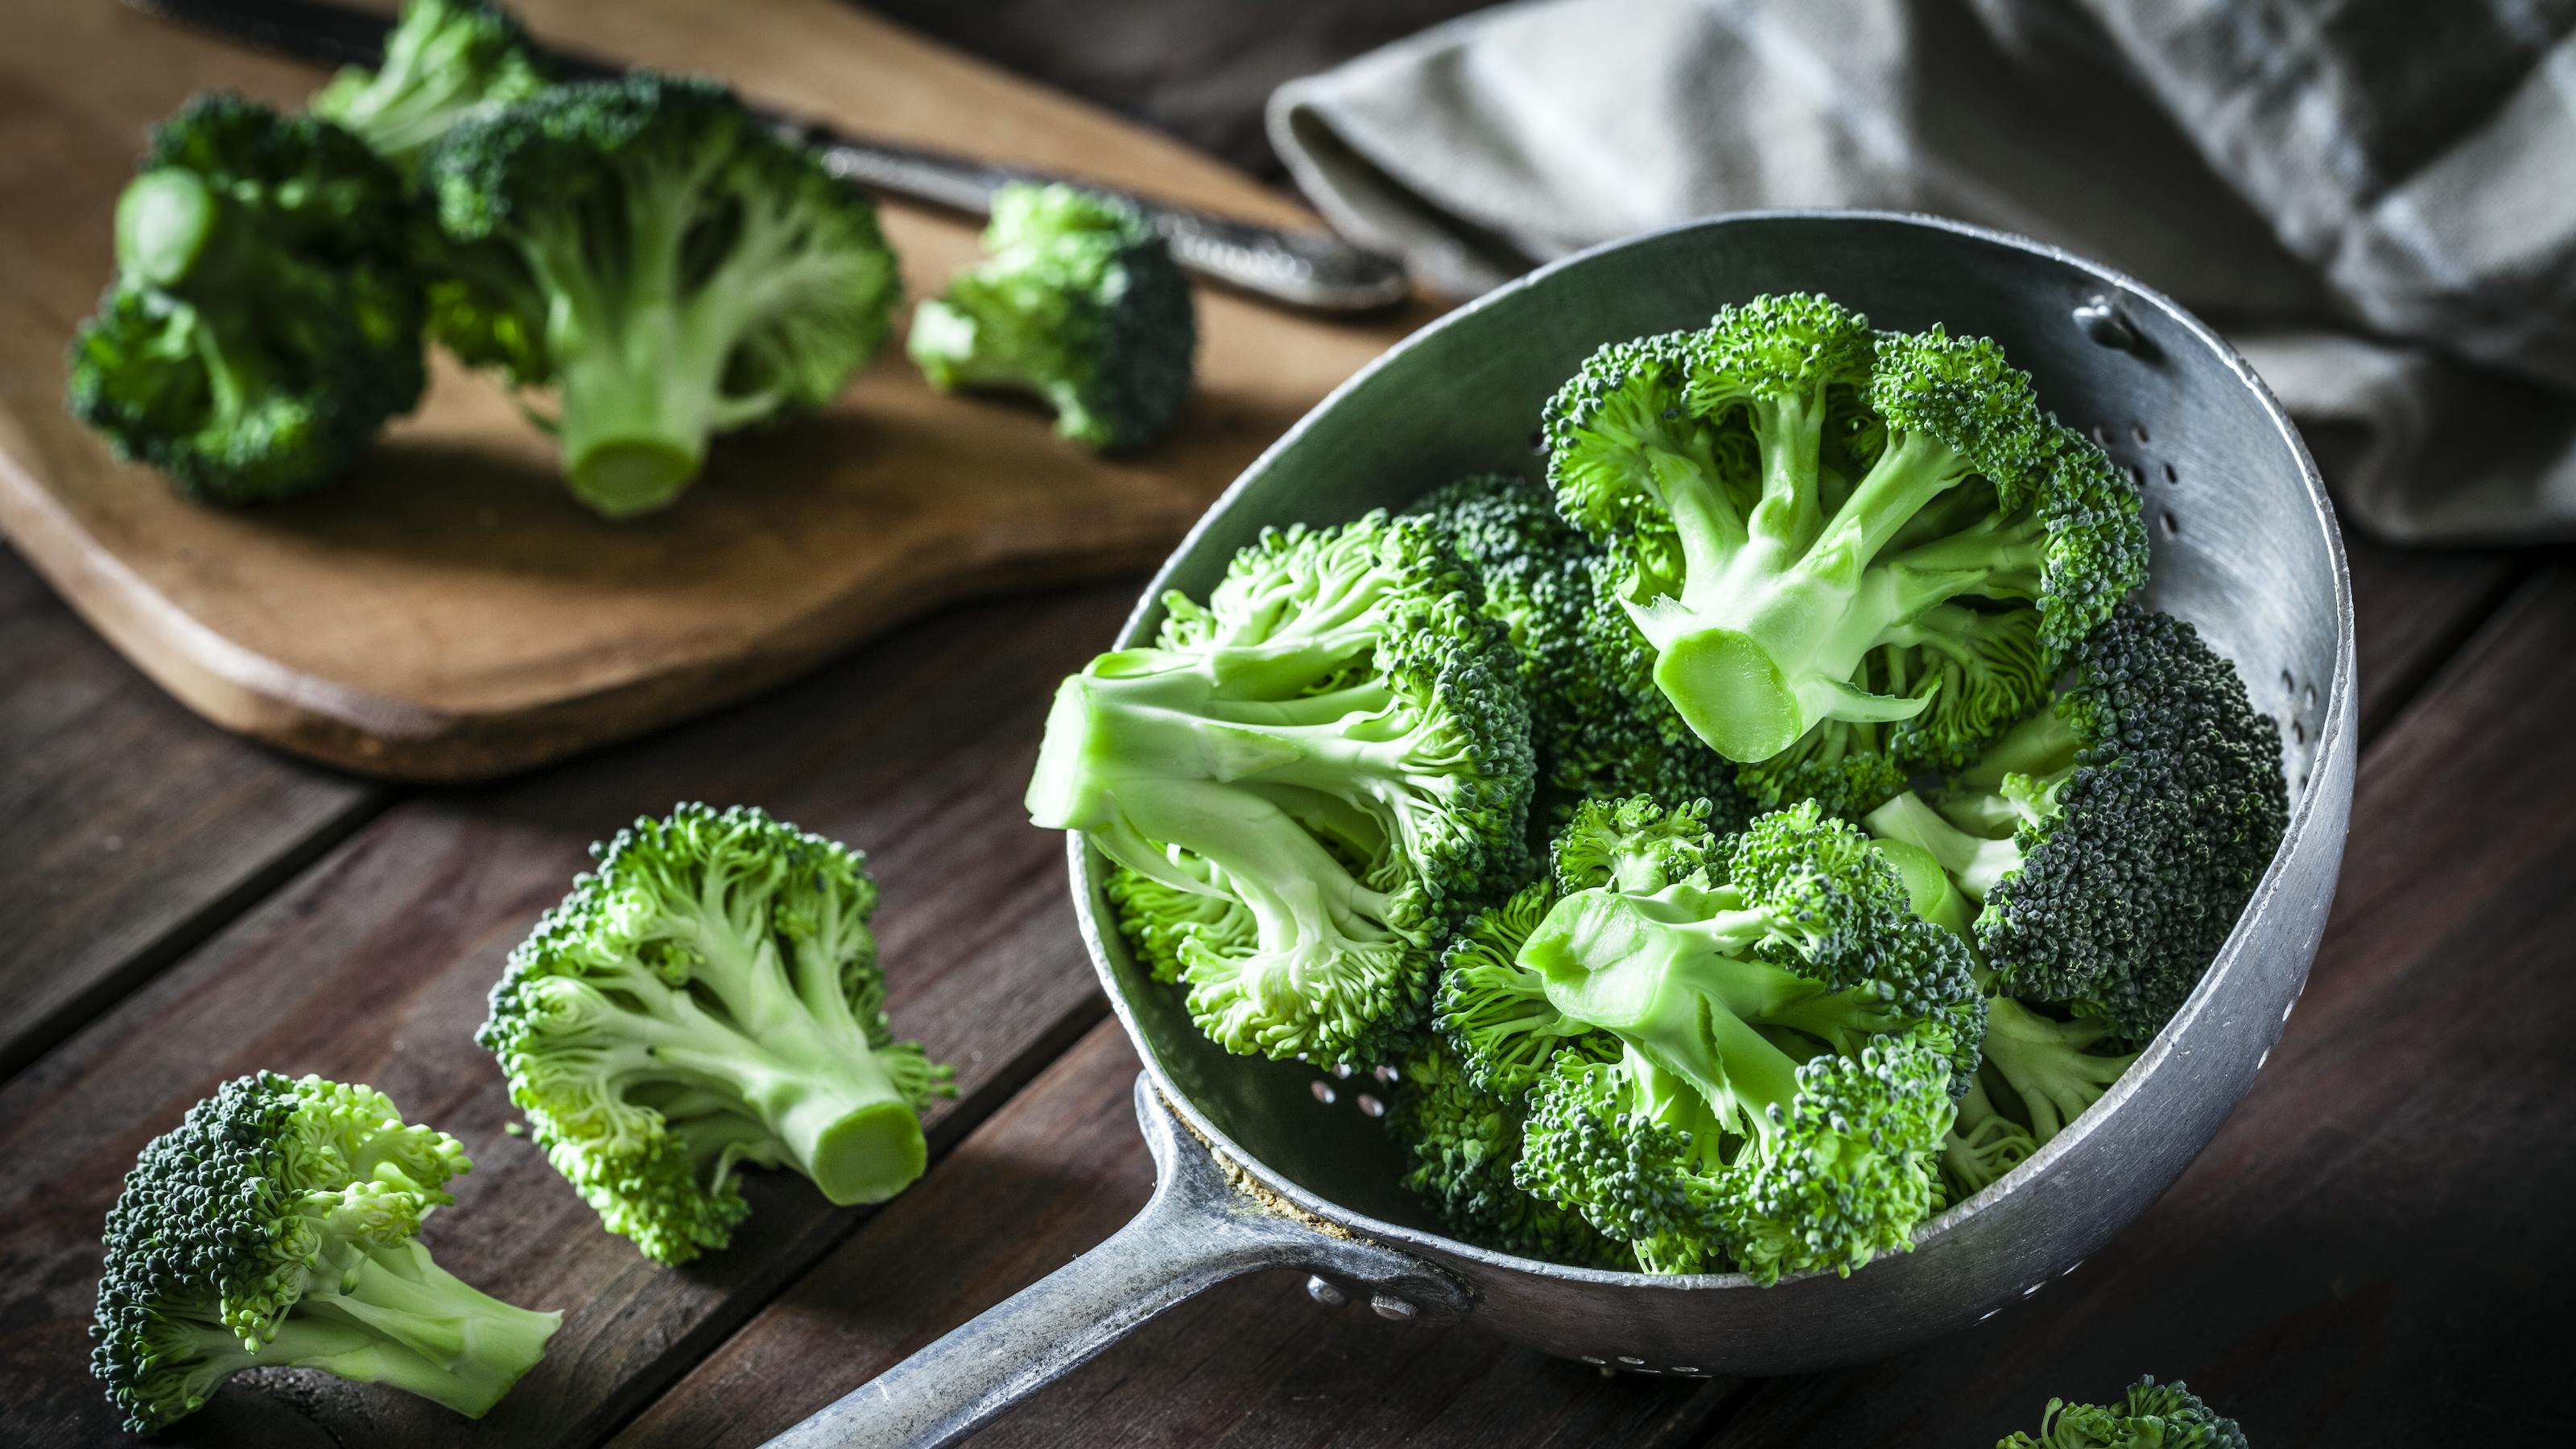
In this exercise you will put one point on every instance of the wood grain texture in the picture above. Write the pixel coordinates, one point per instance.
(450, 612)
(1253, 1362)
(374, 967)
(2369, 1253)
(127, 826)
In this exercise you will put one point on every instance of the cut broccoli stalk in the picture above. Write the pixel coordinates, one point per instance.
(709, 998)
(275, 1227)
(1335, 751)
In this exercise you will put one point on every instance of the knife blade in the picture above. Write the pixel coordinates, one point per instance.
(1312, 270)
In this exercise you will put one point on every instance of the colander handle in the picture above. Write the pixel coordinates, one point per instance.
(1196, 1231)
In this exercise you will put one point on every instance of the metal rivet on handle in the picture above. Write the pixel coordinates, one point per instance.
(1392, 1308)
(1325, 1293)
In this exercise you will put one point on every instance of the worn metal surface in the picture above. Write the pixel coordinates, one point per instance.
(2245, 548)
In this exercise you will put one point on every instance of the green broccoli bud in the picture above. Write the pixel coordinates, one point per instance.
(2150, 1416)
(707, 997)
(444, 61)
(1080, 302)
(276, 1227)
(664, 263)
(1335, 743)
(265, 322)
(1463, 1143)
(1853, 555)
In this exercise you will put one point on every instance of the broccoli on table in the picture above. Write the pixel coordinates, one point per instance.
(2150, 1416)
(660, 261)
(1852, 555)
(277, 1226)
(708, 997)
(1599, 725)
(444, 61)
(1309, 780)
(1790, 1039)
(265, 321)
(2113, 838)
(1078, 302)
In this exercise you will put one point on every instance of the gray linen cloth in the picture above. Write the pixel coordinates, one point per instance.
(2375, 199)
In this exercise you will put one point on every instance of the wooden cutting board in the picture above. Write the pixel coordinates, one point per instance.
(450, 613)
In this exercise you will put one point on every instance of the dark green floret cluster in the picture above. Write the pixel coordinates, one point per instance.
(2149, 1416)
(1772, 827)
(659, 265)
(708, 998)
(277, 1226)
(1079, 302)
(265, 320)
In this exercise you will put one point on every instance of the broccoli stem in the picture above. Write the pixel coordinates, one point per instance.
(2047, 1064)
(403, 1320)
(1977, 864)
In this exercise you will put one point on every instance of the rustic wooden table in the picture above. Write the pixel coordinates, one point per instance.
(2369, 1253)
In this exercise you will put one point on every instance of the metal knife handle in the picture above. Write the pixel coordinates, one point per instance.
(1304, 269)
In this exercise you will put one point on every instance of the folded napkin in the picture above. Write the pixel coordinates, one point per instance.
(2374, 199)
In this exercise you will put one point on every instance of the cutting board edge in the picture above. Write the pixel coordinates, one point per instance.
(378, 736)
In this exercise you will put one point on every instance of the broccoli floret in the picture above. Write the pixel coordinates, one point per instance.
(1789, 1039)
(1601, 728)
(2150, 1416)
(277, 1226)
(445, 61)
(664, 263)
(709, 996)
(1463, 1143)
(2113, 838)
(1335, 746)
(1854, 554)
(1078, 302)
(265, 320)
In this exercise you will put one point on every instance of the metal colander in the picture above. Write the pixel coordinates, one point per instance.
(1289, 1167)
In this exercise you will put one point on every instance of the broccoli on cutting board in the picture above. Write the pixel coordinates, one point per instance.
(1079, 302)
(265, 320)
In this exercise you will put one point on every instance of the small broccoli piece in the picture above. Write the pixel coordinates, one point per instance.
(277, 1226)
(1078, 302)
(2113, 838)
(1854, 554)
(663, 262)
(1463, 1143)
(709, 996)
(1335, 748)
(445, 61)
(1789, 1035)
(2150, 1416)
(265, 321)
(1600, 726)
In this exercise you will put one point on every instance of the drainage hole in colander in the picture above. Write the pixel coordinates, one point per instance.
(1322, 1089)
(2171, 477)
(2138, 431)
(2299, 731)
(1384, 1074)
(2170, 524)
(1370, 1106)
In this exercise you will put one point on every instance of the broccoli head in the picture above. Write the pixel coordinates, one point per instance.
(277, 1226)
(2150, 1416)
(1078, 302)
(2113, 838)
(708, 996)
(663, 262)
(265, 321)
(444, 61)
(1854, 555)
(1788, 1036)
(1599, 725)
(1463, 1143)
(1312, 778)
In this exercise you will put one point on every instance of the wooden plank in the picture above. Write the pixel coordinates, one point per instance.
(449, 612)
(2413, 610)
(1254, 1362)
(2366, 1254)
(129, 827)
(373, 967)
